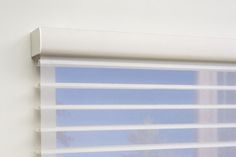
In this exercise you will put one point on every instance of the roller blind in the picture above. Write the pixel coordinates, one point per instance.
(133, 108)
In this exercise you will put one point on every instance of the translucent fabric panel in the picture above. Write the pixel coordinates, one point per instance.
(114, 75)
(65, 87)
(128, 117)
(106, 96)
(103, 138)
(76, 139)
(221, 152)
(160, 153)
(119, 117)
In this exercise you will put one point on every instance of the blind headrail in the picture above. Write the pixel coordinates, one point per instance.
(58, 42)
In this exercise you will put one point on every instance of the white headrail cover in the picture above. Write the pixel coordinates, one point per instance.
(58, 42)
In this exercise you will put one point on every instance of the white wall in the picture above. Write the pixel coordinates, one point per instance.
(18, 17)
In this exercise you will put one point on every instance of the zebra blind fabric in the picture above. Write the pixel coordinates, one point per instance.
(122, 108)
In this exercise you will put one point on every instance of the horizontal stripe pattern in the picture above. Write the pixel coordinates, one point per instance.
(136, 107)
(137, 127)
(139, 148)
(131, 64)
(135, 86)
